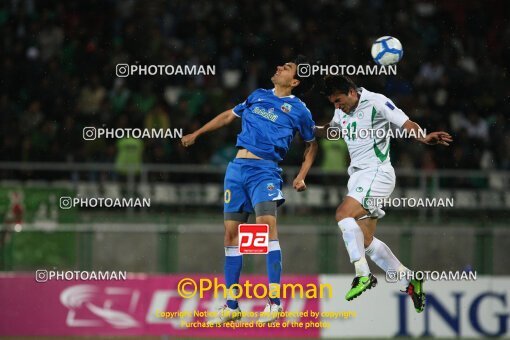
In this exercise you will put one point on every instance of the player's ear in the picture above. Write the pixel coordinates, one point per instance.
(294, 82)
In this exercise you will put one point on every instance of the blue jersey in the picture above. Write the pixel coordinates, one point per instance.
(269, 123)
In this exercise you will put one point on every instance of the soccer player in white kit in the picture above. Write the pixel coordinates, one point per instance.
(359, 117)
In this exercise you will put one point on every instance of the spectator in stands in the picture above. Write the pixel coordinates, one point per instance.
(91, 96)
(129, 157)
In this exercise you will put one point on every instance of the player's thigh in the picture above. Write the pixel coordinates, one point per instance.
(360, 183)
(368, 186)
(384, 182)
(268, 189)
(263, 182)
(381, 188)
(265, 189)
(265, 213)
(359, 187)
(236, 204)
(235, 197)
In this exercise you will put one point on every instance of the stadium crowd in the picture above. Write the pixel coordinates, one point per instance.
(58, 73)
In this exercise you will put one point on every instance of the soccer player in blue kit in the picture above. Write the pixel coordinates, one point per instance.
(253, 183)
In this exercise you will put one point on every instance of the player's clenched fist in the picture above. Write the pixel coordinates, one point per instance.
(299, 184)
(188, 140)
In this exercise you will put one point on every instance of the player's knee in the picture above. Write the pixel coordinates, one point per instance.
(367, 240)
(230, 237)
(349, 208)
(342, 212)
(269, 220)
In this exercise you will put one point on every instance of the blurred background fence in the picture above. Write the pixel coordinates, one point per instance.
(184, 222)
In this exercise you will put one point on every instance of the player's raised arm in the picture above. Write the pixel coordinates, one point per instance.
(307, 131)
(217, 122)
(308, 158)
(433, 138)
(400, 119)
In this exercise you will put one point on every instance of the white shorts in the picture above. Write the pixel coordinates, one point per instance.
(368, 184)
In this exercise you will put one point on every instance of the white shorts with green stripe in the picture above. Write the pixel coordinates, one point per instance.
(370, 186)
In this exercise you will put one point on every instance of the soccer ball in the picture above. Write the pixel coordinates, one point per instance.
(387, 50)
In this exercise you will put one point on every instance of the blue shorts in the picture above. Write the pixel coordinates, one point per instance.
(249, 182)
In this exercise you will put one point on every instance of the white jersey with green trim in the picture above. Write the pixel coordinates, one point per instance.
(365, 129)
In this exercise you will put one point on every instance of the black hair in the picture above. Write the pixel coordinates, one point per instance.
(337, 83)
(305, 83)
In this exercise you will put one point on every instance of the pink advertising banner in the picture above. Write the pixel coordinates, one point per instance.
(135, 306)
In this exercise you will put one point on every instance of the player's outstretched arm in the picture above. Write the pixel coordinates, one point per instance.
(308, 158)
(433, 138)
(217, 122)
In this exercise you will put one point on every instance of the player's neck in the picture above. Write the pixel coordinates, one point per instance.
(280, 91)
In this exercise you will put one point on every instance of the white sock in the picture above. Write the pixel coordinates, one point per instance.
(361, 267)
(383, 257)
(353, 238)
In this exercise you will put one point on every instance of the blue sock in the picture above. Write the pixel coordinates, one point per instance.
(274, 267)
(232, 270)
